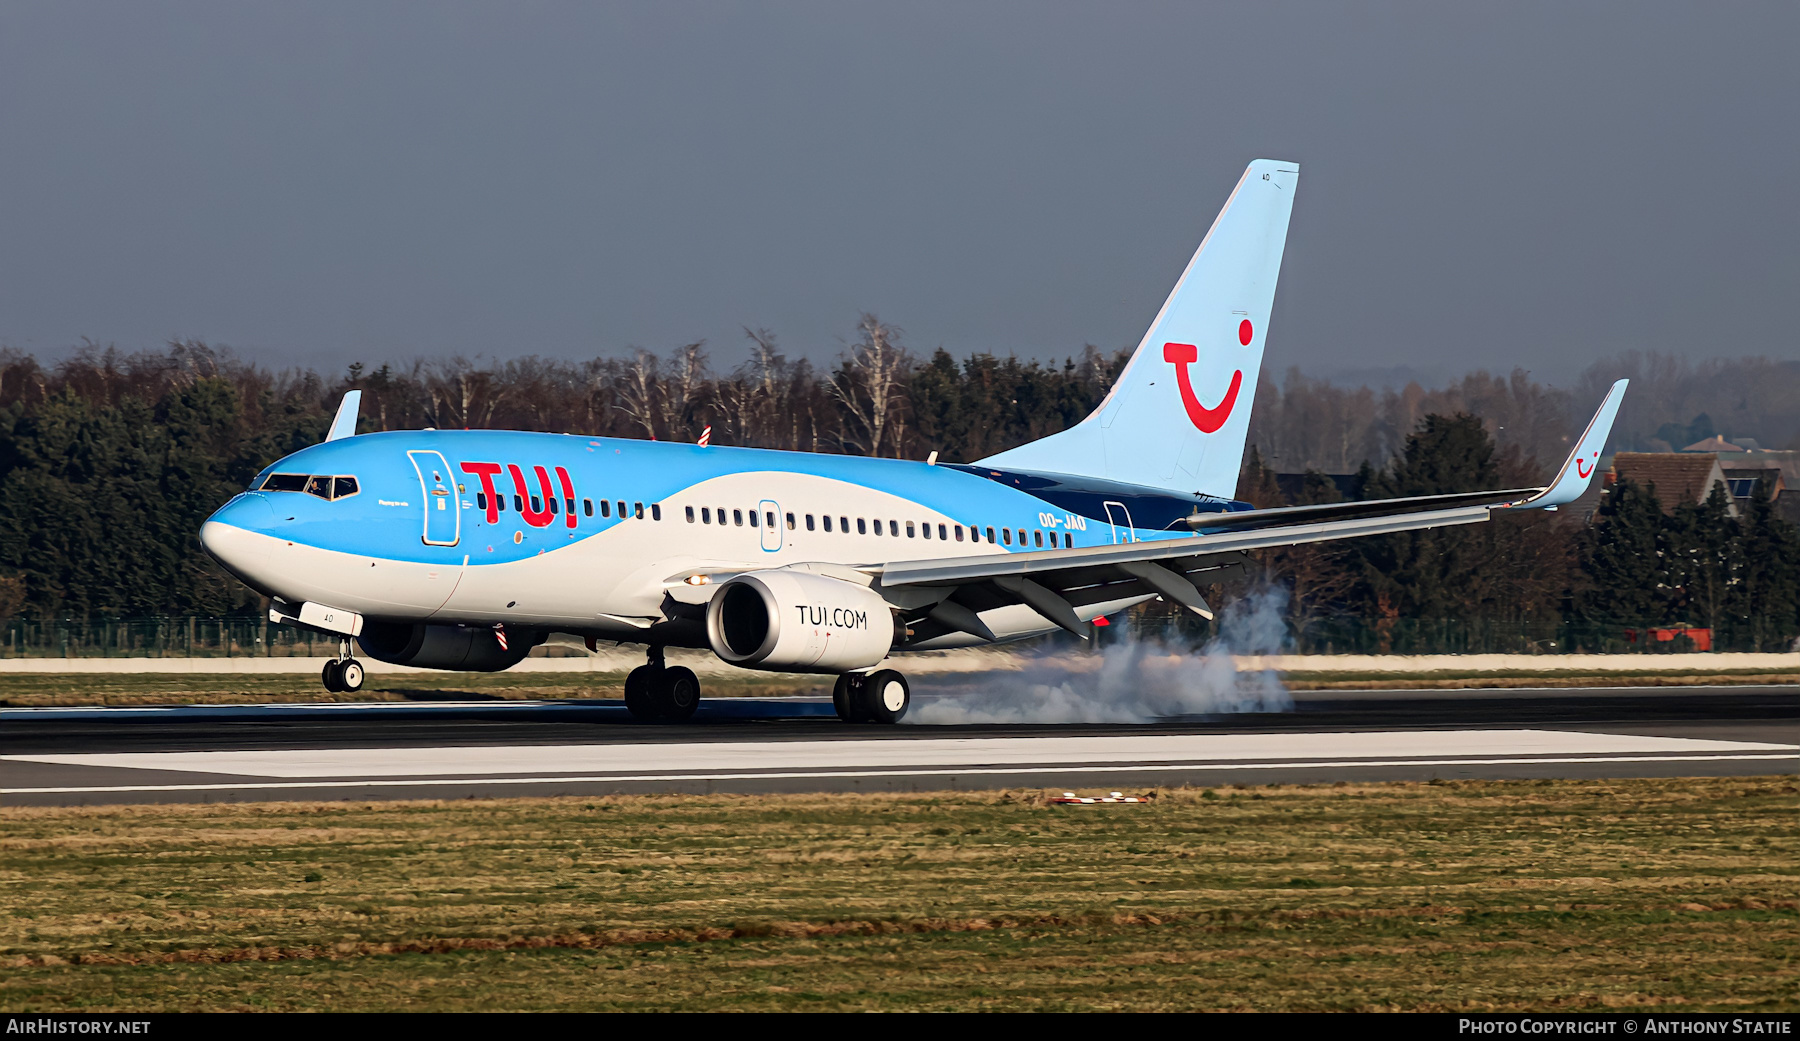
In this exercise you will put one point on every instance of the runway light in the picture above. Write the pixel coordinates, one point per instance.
(1071, 799)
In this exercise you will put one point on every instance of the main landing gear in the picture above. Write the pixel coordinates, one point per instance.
(878, 697)
(656, 693)
(343, 674)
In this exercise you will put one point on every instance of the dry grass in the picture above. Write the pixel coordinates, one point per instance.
(126, 689)
(1465, 895)
(1506, 680)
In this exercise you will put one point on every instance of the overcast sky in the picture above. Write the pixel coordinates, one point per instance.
(1482, 185)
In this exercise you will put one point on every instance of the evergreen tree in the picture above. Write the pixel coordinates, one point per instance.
(1764, 607)
(1623, 559)
(1703, 555)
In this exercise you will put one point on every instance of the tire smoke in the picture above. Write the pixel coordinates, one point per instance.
(1133, 680)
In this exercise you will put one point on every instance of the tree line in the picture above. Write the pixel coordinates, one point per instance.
(110, 461)
(1594, 585)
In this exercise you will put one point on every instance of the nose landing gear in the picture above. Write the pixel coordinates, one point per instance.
(343, 674)
(878, 697)
(656, 693)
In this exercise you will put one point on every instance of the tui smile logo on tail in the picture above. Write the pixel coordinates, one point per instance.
(1583, 474)
(1209, 420)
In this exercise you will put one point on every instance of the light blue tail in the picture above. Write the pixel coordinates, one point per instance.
(1178, 416)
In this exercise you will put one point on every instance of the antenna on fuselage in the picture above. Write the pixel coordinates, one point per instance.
(344, 425)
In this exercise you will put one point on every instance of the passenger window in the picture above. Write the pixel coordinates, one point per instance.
(942, 534)
(284, 483)
(605, 508)
(346, 486)
(656, 511)
(569, 504)
(894, 528)
(844, 525)
(770, 517)
(552, 505)
(706, 515)
(1068, 540)
(927, 527)
(1037, 538)
(587, 507)
(536, 506)
(721, 516)
(862, 526)
(909, 529)
(639, 511)
(622, 511)
(809, 522)
(827, 519)
(319, 486)
(1006, 535)
(518, 504)
(690, 514)
(790, 520)
(877, 524)
(737, 517)
(1021, 536)
(990, 536)
(481, 500)
(958, 530)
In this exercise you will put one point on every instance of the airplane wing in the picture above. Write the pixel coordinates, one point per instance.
(1056, 583)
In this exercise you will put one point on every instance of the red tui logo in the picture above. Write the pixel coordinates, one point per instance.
(1583, 474)
(1209, 420)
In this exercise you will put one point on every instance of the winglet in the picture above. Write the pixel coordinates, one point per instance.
(1577, 470)
(344, 425)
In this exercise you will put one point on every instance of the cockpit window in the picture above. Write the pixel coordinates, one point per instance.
(322, 485)
(285, 483)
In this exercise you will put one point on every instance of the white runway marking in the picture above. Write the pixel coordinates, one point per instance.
(699, 760)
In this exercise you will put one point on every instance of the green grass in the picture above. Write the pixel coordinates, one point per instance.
(1465, 895)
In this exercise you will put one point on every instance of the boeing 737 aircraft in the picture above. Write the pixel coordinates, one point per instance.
(464, 549)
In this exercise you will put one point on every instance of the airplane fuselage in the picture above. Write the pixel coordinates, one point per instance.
(594, 535)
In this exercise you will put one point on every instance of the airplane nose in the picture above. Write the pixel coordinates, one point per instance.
(231, 535)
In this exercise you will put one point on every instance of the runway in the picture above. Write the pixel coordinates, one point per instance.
(456, 750)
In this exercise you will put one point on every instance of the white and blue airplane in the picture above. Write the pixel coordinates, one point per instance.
(459, 549)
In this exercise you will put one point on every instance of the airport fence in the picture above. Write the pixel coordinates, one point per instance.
(238, 637)
(165, 637)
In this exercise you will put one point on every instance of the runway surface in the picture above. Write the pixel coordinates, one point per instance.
(455, 750)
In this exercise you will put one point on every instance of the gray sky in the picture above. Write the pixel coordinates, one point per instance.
(1482, 185)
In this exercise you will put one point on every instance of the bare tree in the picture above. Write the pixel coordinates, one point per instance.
(870, 385)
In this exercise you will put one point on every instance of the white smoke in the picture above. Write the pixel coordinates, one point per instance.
(1129, 680)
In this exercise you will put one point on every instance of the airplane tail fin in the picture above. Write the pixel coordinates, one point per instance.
(1179, 413)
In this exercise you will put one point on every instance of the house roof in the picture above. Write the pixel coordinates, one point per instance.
(1714, 444)
(1678, 476)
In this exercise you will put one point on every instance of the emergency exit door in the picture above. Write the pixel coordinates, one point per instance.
(770, 523)
(443, 507)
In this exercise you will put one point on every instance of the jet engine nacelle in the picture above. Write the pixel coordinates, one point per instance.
(455, 647)
(790, 621)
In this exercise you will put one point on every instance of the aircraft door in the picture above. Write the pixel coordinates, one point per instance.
(770, 523)
(1120, 518)
(443, 507)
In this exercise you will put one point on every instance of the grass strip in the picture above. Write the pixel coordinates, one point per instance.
(1454, 895)
(22, 690)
